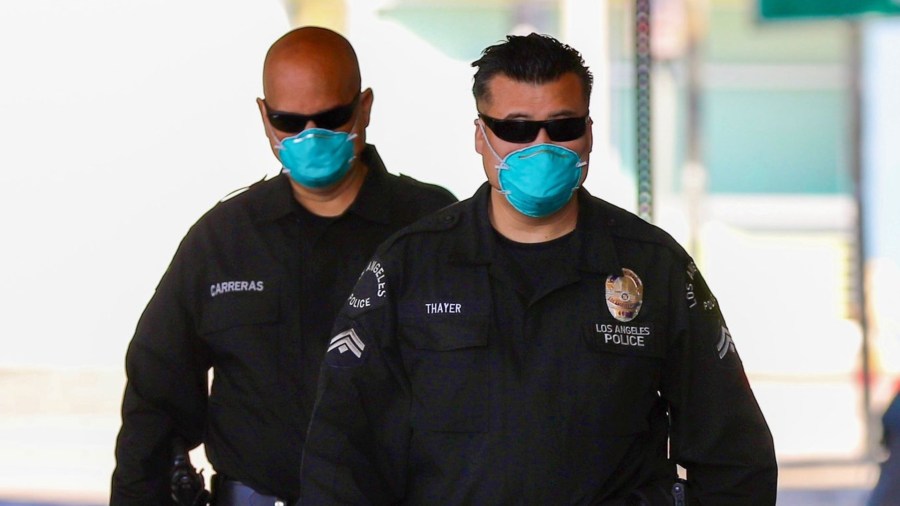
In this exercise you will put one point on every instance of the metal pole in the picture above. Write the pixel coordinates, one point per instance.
(856, 165)
(643, 66)
(694, 176)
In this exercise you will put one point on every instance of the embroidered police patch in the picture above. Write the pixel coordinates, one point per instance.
(624, 295)
(625, 339)
(696, 292)
(370, 290)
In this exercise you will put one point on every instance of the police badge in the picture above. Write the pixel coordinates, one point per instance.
(624, 295)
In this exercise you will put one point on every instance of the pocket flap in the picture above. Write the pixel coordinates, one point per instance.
(446, 334)
(237, 309)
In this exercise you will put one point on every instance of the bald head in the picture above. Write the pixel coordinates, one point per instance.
(310, 69)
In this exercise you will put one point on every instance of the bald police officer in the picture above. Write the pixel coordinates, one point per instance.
(254, 287)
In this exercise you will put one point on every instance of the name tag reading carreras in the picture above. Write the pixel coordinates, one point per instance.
(628, 339)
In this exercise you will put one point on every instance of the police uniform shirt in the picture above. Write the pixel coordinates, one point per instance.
(444, 385)
(252, 292)
(531, 264)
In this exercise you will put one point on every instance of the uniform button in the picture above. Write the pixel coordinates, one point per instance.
(448, 218)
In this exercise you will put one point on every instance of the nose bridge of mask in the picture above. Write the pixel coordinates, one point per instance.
(561, 153)
(540, 149)
(311, 133)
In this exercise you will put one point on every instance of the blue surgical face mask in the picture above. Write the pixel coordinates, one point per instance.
(317, 158)
(540, 179)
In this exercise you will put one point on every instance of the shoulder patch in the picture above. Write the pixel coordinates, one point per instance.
(697, 293)
(707, 316)
(370, 291)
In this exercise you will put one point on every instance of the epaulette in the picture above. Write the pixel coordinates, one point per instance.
(445, 219)
(627, 225)
(235, 193)
(637, 229)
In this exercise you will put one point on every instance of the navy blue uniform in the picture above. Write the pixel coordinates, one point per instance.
(251, 292)
(449, 380)
(887, 490)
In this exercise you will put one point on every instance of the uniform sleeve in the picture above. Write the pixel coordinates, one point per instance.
(719, 434)
(357, 443)
(165, 395)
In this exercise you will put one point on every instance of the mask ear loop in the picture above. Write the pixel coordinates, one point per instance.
(501, 165)
(581, 163)
(352, 133)
(279, 145)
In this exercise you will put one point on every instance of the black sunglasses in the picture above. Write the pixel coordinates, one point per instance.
(521, 131)
(294, 123)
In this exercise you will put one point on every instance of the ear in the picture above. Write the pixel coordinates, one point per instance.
(479, 138)
(366, 98)
(590, 132)
(262, 110)
(267, 128)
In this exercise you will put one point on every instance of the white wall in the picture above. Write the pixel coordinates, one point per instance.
(121, 122)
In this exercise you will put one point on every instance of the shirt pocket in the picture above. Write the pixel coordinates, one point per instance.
(243, 331)
(447, 362)
(619, 370)
(235, 310)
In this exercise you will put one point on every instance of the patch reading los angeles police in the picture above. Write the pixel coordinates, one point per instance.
(696, 292)
(370, 290)
(707, 322)
(624, 295)
(625, 339)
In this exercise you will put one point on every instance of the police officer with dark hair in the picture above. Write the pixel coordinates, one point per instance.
(534, 344)
(254, 287)
(887, 490)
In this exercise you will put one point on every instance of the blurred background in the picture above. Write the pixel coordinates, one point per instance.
(761, 133)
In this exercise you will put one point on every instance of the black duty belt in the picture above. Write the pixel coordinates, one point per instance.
(234, 493)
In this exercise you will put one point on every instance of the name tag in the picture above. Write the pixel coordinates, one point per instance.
(442, 308)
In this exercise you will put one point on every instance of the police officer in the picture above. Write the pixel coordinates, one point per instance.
(534, 344)
(887, 490)
(254, 287)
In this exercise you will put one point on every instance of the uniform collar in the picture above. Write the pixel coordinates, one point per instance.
(478, 243)
(372, 203)
(278, 200)
(593, 235)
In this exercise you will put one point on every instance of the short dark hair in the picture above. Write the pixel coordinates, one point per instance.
(533, 58)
